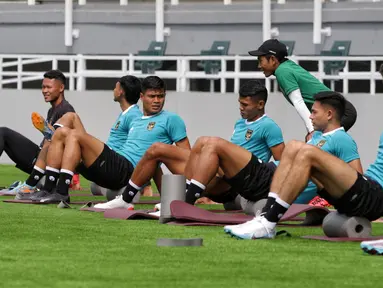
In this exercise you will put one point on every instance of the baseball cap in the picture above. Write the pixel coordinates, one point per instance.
(271, 47)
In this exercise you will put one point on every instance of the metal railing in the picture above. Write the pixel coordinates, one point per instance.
(78, 71)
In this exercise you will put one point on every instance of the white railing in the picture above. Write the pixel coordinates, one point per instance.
(182, 74)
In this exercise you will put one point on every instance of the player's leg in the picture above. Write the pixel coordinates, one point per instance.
(288, 156)
(216, 153)
(22, 151)
(336, 176)
(175, 159)
(70, 120)
(66, 154)
(349, 117)
(193, 158)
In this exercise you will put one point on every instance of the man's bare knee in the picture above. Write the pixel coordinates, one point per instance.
(156, 151)
(307, 154)
(61, 134)
(201, 141)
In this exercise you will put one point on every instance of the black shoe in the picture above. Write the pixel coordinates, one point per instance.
(55, 198)
(39, 195)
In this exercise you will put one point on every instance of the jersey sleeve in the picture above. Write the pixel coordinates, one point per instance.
(286, 81)
(347, 150)
(273, 134)
(176, 128)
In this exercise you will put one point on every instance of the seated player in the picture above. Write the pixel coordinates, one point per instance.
(126, 93)
(256, 132)
(26, 154)
(104, 166)
(349, 191)
(250, 176)
(298, 85)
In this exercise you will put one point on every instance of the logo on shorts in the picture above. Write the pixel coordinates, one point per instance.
(117, 125)
(321, 143)
(151, 126)
(249, 132)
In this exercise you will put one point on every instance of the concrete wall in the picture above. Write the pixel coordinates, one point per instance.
(204, 114)
(114, 29)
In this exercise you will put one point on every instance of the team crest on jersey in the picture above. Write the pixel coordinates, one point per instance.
(151, 126)
(117, 125)
(249, 132)
(321, 143)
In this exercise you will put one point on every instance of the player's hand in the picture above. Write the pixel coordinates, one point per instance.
(309, 136)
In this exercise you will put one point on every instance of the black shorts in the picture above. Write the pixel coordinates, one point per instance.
(363, 199)
(224, 197)
(110, 170)
(254, 180)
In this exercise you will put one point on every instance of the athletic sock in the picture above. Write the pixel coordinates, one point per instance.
(187, 185)
(52, 174)
(64, 182)
(276, 212)
(130, 191)
(194, 192)
(270, 201)
(35, 176)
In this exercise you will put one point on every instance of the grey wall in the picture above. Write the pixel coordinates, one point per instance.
(205, 114)
(114, 29)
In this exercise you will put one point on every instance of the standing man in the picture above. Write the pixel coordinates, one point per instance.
(297, 85)
(23, 151)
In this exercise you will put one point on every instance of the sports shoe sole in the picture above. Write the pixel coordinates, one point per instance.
(371, 249)
(40, 123)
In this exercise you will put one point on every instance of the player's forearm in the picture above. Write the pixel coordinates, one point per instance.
(299, 104)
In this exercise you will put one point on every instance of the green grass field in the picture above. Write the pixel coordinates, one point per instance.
(43, 246)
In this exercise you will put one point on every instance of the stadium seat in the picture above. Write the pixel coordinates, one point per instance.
(155, 49)
(218, 48)
(290, 47)
(339, 48)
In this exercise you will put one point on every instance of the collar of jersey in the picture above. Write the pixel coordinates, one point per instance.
(150, 116)
(127, 110)
(333, 131)
(248, 123)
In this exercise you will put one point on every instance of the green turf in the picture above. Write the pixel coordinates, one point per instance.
(42, 246)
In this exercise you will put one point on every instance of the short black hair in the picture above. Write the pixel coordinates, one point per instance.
(333, 99)
(132, 88)
(253, 88)
(152, 82)
(56, 74)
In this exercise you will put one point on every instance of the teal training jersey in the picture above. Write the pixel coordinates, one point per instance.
(257, 136)
(375, 170)
(120, 130)
(165, 127)
(291, 76)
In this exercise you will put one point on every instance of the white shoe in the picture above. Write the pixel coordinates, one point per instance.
(157, 207)
(157, 213)
(228, 228)
(254, 229)
(117, 202)
(374, 247)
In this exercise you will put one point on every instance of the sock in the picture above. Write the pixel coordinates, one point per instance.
(35, 176)
(51, 176)
(276, 212)
(64, 182)
(270, 201)
(187, 185)
(194, 192)
(130, 191)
